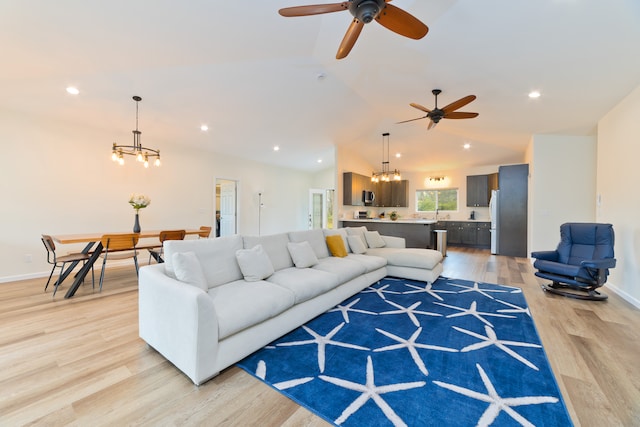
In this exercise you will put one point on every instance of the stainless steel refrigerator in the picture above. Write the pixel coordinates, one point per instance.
(493, 213)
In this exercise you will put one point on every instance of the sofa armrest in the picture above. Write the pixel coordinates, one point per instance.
(545, 255)
(179, 321)
(394, 242)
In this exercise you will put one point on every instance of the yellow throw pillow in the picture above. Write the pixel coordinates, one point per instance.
(336, 246)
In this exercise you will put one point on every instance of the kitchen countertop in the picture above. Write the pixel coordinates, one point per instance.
(414, 220)
(398, 221)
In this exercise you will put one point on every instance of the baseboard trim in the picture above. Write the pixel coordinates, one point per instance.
(624, 295)
(45, 274)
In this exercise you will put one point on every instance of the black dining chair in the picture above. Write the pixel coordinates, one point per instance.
(59, 261)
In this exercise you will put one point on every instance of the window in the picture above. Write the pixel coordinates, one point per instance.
(432, 200)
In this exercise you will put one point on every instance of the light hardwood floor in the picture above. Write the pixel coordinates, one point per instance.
(81, 362)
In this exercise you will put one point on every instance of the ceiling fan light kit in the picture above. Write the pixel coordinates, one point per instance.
(363, 12)
(448, 112)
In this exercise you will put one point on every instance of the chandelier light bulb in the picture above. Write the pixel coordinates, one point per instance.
(157, 162)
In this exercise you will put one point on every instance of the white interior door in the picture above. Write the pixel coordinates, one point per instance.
(228, 208)
(317, 211)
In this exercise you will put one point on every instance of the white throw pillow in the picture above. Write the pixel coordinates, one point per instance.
(302, 254)
(254, 263)
(357, 245)
(374, 240)
(188, 270)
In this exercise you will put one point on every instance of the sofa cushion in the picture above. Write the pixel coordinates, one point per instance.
(336, 246)
(356, 244)
(357, 231)
(342, 232)
(370, 262)
(374, 240)
(275, 245)
(241, 304)
(217, 257)
(305, 283)
(302, 254)
(187, 269)
(254, 263)
(409, 257)
(315, 239)
(345, 269)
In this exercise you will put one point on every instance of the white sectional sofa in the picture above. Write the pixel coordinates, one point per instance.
(215, 301)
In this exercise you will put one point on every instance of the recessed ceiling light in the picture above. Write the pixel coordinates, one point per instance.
(398, 155)
(276, 148)
(534, 94)
(73, 90)
(319, 160)
(466, 146)
(204, 128)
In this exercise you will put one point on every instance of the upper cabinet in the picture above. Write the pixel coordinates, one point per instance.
(353, 185)
(387, 194)
(392, 194)
(479, 189)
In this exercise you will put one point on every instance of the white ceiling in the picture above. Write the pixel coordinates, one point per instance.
(254, 77)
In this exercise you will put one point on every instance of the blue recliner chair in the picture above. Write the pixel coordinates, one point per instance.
(581, 262)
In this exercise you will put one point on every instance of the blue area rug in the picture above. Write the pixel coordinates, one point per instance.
(404, 352)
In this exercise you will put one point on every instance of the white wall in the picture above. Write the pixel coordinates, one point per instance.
(562, 186)
(59, 178)
(618, 175)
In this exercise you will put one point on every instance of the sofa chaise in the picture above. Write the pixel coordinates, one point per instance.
(215, 301)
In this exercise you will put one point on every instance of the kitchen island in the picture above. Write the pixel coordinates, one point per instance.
(416, 232)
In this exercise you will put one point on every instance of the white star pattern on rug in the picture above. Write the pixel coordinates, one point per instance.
(380, 291)
(409, 311)
(472, 311)
(261, 372)
(476, 288)
(371, 391)
(492, 339)
(497, 403)
(322, 342)
(428, 289)
(514, 308)
(345, 309)
(411, 345)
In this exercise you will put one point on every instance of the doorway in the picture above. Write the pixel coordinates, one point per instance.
(320, 208)
(226, 207)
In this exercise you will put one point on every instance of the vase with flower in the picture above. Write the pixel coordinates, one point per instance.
(138, 201)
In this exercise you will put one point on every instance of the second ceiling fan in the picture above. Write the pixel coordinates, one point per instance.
(364, 11)
(448, 112)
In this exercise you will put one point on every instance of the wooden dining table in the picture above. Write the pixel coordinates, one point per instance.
(94, 248)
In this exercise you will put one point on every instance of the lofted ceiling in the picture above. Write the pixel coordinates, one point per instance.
(258, 79)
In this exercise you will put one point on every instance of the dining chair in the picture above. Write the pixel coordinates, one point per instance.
(61, 261)
(204, 232)
(157, 252)
(118, 246)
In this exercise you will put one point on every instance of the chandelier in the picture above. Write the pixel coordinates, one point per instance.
(142, 154)
(385, 175)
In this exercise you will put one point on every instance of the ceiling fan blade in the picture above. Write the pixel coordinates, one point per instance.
(314, 9)
(432, 124)
(460, 115)
(401, 22)
(350, 38)
(458, 104)
(412, 120)
(420, 107)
